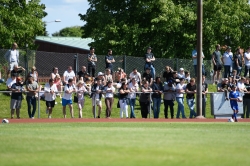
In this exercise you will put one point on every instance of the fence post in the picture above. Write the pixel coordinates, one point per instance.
(38, 104)
(26, 61)
(76, 63)
(124, 63)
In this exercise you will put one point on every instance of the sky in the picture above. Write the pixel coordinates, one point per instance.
(65, 10)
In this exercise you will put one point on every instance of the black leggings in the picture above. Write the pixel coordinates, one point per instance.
(92, 70)
(144, 109)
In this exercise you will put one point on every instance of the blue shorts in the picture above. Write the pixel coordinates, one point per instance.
(235, 107)
(66, 102)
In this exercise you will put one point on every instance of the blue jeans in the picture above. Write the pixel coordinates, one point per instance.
(180, 109)
(195, 70)
(156, 107)
(31, 100)
(132, 108)
(190, 103)
(152, 69)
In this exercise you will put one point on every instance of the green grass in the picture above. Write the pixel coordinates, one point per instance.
(87, 111)
(118, 144)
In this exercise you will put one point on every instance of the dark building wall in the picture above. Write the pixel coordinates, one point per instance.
(51, 47)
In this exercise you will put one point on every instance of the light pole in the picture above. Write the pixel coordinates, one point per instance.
(58, 20)
(45, 23)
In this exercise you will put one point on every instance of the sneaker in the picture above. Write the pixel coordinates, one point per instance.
(55, 102)
(32, 118)
(49, 116)
(98, 116)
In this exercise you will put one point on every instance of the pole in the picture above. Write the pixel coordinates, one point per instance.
(38, 104)
(150, 99)
(199, 59)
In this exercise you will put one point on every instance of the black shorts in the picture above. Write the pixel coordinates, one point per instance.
(50, 103)
(217, 67)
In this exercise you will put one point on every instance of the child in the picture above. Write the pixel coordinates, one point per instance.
(234, 97)
(80, 89)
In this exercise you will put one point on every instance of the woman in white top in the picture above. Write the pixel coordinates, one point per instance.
(109, 98)
(133, 87)
(50, 90)
(181, 74)
(54, 73)
(180, 90)
(227, 60)
(80, 89)
(33, 74)
(247, 61)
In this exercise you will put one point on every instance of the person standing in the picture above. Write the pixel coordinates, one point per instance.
(69, 74)
(50, 90)
(191, 90)
(80, 89)
(238, 61)
(16, 97)
(145, 99)
(12, 57)
(149, 59)
(67, 98)
(109, 60)
(109, 98)
(246, 100)
(123, 100)
(96, 95)
(216, 59)
(92, 59)
(227, 60)
(156, 96)
(204, 95)
(234, 98)
(169, 97)
(247, 62)
(194, 57)
(180, 89)
(133, 87)
(32, 88)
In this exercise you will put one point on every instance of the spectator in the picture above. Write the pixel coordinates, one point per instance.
(181, 74)
(241, 85)
(246, 100)
(224, 87)
(120, 75)
(145, 99)
(108, 76)
(238, 61)
(227, 60)
(180, 89)
(175, 78)
(32, 88)
(11, 81)
(50, 90)
(149, 59)
(187, 76)
(123, 100)
(69, 88)
(216, 59)
(191, 90)
(109, 98)
(133, 87)
(109, 60)
(69, 74)
(247, 62)
(17, 70)
(204, 95)
(80, 89)
(147, 76)
(92, 59)
(96, 95)
(157, 89)
(16, 97)
(135, 74)
(58, 83)
(194, 57)
(168, 73)
(12, 57)
(100, 76)
(169, 97)
(33, 73)
(54, 73)
(83, 75)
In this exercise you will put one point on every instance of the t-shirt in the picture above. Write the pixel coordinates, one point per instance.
(137, 76)
(17, 95)
(80, 93)
(124, 95)
(32, 86)
(47, 89)
(133, 87)
(170, 95)
(204, 88)
(149, 56)
(190, 87)
(109, 94)
(240, 85)
(156, 86)
(228, 58)
(180, 87)
(83, 74)
(217, 57)
(247, 55)
(144, 97)
(194, 53)
(93, 57)
(239, 57)
(234, 94)
(13, 55)
(69, 75)
(10, 82)
(17, 72)
(167, 75)
(147, 76)
(68, 96)
(110, 58)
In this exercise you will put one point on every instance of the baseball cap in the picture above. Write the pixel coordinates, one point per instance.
(181, 69)
(100, 74)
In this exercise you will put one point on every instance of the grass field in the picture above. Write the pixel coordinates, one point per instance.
(118, 144)
(87, 111)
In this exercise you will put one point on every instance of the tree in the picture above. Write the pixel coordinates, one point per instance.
(20, 22)
(169, 26)
(74, 31)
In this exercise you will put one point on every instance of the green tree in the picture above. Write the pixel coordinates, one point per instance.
(74, 31)
(169, 26)
(20, 22)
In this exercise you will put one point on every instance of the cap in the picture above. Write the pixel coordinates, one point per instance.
(181, 69)
(149, 48)
(100, 74)
(18, 79)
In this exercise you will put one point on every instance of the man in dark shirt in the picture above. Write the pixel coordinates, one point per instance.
(149, 59)
(17, 70)
(109, 60)
(83, 74)
(191, 90)
(224, 87)
(147, 76)
(204, 95)
(246, 100)
(168, 73)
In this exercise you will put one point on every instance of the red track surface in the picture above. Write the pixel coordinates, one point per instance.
(117, 120)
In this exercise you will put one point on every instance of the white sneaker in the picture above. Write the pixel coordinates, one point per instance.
(55, 102)
(49, 116)
(32, 118)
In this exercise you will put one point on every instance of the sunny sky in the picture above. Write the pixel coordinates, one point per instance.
(65, 10)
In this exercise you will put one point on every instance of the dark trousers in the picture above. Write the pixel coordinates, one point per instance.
(169, 103)
(226, 71)
(31, 100)
(91, 69)
(144, 109)
(109, 102)
(246, 108)
(204, 101)
(247, 70)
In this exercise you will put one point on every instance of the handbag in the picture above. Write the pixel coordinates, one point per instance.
(75, 99)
